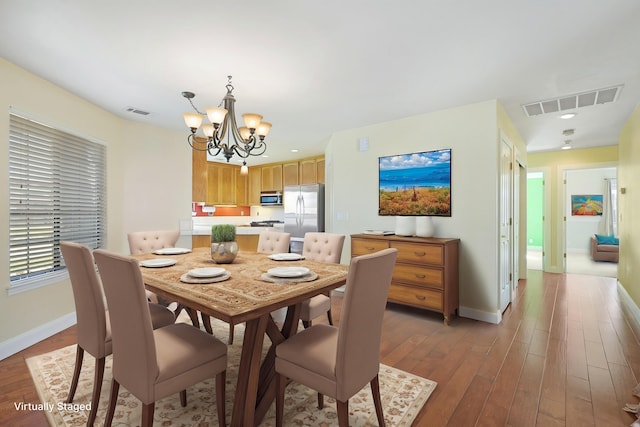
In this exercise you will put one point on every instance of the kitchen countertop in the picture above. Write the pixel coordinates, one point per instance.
(206, 230)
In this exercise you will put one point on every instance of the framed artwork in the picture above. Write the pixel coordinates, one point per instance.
(415, 184)
(586, 205)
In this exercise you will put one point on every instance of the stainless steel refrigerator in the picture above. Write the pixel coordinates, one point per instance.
(303, 212)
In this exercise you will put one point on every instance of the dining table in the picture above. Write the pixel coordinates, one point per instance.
(245, 293)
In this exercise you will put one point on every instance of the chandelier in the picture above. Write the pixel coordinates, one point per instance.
(223, 134)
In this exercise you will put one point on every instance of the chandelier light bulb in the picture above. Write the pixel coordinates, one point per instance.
(192, 120)
(252, 120)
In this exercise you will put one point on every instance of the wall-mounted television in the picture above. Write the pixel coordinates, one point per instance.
(417, 184)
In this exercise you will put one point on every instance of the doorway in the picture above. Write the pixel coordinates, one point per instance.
(535, 220)
(589, 187)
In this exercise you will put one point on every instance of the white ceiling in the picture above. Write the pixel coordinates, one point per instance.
(316, 67)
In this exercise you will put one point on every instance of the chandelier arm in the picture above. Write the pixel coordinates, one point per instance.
(191, 139)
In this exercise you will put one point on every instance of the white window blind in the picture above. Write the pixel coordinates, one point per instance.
(57, 193)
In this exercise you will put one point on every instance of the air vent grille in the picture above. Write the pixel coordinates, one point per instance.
(137, 111)
(570, 102)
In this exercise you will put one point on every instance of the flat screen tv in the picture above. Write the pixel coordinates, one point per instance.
(417, 184)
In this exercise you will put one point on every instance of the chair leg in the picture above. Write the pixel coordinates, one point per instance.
(147, 414)
(76, 373)
(375, 391)
(113, 400)
(343, 413)
(183, 398)
(221, 379)
(97, 387)
(329, 317)
(306, 323)
(281, 384)
(320, 400)
(230, 340)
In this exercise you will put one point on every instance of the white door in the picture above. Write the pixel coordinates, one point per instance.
(506, 209)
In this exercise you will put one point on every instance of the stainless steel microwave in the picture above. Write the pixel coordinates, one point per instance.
(271, 199)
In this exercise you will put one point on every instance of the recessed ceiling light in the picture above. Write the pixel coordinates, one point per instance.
(567, 145)
(568, 116)
(294, 150)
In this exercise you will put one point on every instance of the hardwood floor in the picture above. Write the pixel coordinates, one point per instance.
(564, 355)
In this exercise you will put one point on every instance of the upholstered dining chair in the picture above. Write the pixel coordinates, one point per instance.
(153, 364)
(340, 361)
(325, 247)
(273, 242)
(144, 242)
(93, 323)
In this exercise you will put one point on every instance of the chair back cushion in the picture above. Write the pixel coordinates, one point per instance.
(325, 247)
(134, 355)
(92, 327)
(273, 242)
(358, 352)
(144, 242)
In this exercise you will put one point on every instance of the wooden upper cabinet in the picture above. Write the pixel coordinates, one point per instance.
(320, 171)
(255, 185)
(272, 177)
(199, 176)
(242, 188)
(290, 174)
(308, 171)
(221, 184)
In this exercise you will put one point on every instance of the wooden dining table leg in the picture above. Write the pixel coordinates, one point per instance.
(267, 384)
(249, 372)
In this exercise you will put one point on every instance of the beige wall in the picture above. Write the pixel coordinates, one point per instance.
(553, 164)
(148, 186)
(472, 132)
(629, 205)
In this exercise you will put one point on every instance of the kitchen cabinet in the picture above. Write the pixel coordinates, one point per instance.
(272, 177)
(308, 173)
(426, 270)
(241, 188)
(221, 183)
(290, 173)
(320, 171)
(255, 185)
(246, 242)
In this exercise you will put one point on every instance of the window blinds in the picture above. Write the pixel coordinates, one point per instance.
(56, 193)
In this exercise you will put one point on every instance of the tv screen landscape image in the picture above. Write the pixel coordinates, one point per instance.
(417, 184)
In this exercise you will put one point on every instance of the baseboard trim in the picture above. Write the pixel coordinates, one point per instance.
(35, 335)
(483, 316)
(630, 309)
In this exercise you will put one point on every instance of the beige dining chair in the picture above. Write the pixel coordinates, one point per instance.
(144, 242)
(340, 361)
(153, 364)
(324, 247)
(273, 242)
(93, 325)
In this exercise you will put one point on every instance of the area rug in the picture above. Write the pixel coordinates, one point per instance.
(402, 394)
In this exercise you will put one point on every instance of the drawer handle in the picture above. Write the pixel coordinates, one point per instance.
(420, 297)
(420, 276)
(370, 248)
(420, 253)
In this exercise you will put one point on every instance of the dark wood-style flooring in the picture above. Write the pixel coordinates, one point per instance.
(564, 355)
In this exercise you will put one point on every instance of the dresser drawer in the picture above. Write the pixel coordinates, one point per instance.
(367, 246)
(419, 253)
(423, 276)
(417, 297)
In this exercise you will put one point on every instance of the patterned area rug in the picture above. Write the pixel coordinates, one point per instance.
(403, 395)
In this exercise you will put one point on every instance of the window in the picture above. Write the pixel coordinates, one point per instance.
(56, 193)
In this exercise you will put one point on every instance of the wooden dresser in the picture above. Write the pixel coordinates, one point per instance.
(426, 271)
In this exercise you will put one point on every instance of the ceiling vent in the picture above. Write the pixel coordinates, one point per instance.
(137, 111)
(570, 102)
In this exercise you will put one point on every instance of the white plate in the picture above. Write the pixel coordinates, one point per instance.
(286, 257)
(288, 271)
(172, 251)
(158, 262)
(206, 272)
